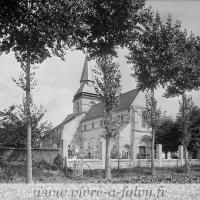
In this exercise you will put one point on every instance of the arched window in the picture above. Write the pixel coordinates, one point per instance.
(92, 125)
(143, 120)
(78, 106)
(122, 118)
(142, 152)
(92, 103)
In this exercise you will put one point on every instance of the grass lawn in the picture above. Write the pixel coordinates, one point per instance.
(44, 173)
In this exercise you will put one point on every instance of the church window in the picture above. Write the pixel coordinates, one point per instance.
(92, 103)
(101, 123)
(143, 120)
(92, 125)
(142, 152)
(122, 118)
(77, 106)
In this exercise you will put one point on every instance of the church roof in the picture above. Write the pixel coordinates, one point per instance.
(87, 71)
(87, 90)
(87, 81)
(68, 118)
(125, 101)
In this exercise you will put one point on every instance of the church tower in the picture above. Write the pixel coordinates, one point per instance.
(86, 95)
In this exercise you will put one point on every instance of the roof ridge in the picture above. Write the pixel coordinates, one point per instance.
(117, 96)
(125, 101)
(129, 91)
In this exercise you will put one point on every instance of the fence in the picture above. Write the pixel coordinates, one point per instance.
(129, 163)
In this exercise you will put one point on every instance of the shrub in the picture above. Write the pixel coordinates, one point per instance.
(42, 165)
(58, 162)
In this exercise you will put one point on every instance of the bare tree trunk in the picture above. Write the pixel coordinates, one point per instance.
(187, 167)
(152, 152)
(153, 133)
(28, 98)
(107, 161)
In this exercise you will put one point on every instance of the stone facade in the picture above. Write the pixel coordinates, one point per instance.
(81, 132)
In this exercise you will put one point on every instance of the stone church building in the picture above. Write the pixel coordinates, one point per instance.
(80, 133)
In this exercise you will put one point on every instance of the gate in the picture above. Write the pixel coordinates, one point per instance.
(78, 169)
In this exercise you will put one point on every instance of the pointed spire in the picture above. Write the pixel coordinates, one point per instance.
(87, 71)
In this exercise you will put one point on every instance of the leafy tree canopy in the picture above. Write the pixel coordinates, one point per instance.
(151, 53)
(108, 86)
(110, 24)
(13, 130)
(169, 132)
(46, 26)
(184, 72)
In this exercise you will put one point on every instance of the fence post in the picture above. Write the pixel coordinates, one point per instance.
(65, 166)
(133, 138)
(180, 154)
(198, 154)
(159, 154)
(102, 152)
(65, 154)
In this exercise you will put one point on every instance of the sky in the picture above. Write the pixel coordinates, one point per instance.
(59, 80)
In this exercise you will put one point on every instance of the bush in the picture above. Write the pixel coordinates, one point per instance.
(42, 165)
(58, 162)
(171, 178)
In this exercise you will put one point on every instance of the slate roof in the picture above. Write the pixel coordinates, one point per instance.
(68, 118)
(87, 71)
(125, 101)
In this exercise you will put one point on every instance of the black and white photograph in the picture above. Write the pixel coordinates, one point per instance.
(99, 99)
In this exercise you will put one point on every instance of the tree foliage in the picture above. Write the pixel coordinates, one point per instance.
(184, 119)
(152, 114)
(13, 129)
(35, 30)
(169, 132)
(46, 26)
(184, 73)
(108, 87)
(151, 53)
(110, 24)
(184, 77)
(195, 128)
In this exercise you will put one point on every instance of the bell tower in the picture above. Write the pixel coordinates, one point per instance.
(86, 95)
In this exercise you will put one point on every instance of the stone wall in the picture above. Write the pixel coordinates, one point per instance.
(19, 154)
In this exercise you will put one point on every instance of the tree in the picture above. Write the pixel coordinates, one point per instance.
(169, 132)
(153, 117)
(168, 135)
(151, 55)
(13, 129)
(110, 24)
(184, 77)
(195, 128)
(108, 78)
(35, 30)
(184, 118)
